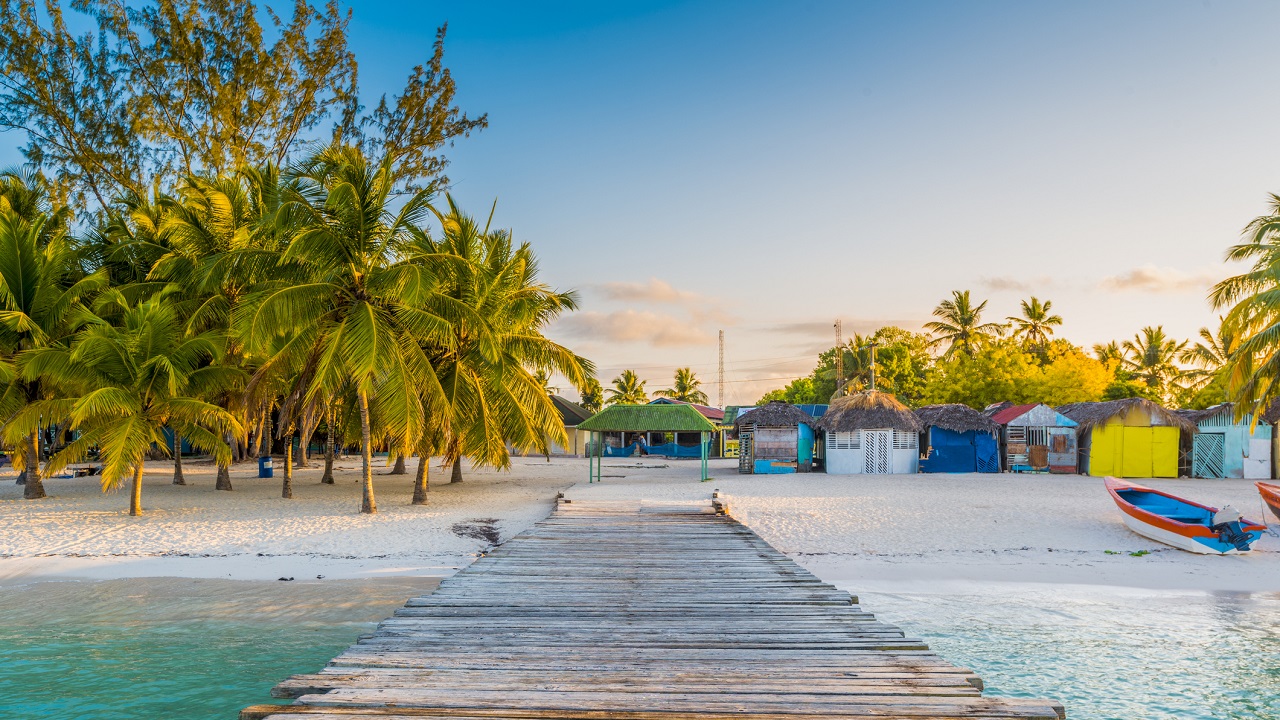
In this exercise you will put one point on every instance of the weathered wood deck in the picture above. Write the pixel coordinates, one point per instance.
(630, 611)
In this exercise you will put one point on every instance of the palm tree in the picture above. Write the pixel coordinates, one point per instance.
(121, 386)
(1110, 352)
(686, 388)
(495, 370)
(1152, 357)
(1035, 325)
(960, 324)
(349, 302)
(1211, 355)
(592, 396)
(628, 389)
(42, 294)
(1252, 301)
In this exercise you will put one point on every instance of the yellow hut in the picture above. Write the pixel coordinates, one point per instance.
(1132, 438)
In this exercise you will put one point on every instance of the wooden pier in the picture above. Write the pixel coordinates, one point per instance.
(638, 611)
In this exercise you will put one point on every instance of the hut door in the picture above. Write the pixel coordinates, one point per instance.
(877, 448)
(1207, 452)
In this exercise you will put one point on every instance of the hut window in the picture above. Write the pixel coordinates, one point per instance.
(905, 440)
(844, 441)
(1038, 435)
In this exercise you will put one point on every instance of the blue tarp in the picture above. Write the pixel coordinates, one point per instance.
(665, 450)
(955, 452)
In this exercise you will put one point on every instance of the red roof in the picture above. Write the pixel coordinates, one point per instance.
(708, 412)
(1010, 413)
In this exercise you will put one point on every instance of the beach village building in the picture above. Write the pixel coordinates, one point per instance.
(957, 439)
(676, 444)
(1226, 447)
(1037, 438)
(1132, 438)
(611, 428)
(776, 438)
(870, 432)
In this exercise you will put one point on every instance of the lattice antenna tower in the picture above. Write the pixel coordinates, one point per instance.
(839, 356)
(720, 374)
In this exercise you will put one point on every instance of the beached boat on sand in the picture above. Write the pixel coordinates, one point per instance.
(1271, 496)
(1182, 523)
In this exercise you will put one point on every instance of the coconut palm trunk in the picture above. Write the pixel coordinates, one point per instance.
(400, 467)
(367, 503)
(422, 480)
(224, 471)
(456, 477)
(34, 486)
(178, 478)
(327, 478)
(135, 493)
(286, 491)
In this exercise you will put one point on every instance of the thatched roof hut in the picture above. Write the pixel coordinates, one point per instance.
(1089, 414)
(776, 414)
(868, 410)
(956, 418)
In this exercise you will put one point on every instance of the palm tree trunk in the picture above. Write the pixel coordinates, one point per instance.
(457, 471)
(367, 504)
(34, 489)
(287, 491)
(421, 481)
(399, 468)
(264, 439)
(327, 478)
(178, 479)
(304, 439)
(224, 472)
(135, 494)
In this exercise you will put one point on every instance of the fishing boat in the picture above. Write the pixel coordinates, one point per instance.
(1182, 523)
(1271, 496)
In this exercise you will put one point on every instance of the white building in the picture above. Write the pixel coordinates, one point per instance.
(870, 433)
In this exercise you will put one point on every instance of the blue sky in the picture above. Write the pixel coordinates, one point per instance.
(768, 167)
(765, 168)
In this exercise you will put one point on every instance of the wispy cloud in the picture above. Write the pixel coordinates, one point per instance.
(1007, 283)
(651, 291)
(1152, 278)
(635, 326)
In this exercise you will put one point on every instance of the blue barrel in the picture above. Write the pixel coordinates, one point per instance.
(264, 467)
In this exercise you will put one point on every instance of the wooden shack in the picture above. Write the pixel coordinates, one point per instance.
(1225, 446)
(870, 432)
(776, 438)
(1036, 438)
(957, 439)
(1132, 438)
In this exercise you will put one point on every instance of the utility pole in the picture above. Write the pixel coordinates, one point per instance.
(720, 375)
(872, 346)
(839, 356)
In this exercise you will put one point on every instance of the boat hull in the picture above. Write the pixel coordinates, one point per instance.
(1191, 537)
(1270, 496)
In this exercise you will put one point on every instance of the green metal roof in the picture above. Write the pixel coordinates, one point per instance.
(645, 418)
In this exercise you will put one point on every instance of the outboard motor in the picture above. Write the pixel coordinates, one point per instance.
(1226, 522)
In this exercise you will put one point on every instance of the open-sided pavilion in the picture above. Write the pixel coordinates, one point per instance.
(642, 419)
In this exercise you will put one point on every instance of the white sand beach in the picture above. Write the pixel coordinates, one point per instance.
(869, 532)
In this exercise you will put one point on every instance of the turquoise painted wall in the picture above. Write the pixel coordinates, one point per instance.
(805, 439)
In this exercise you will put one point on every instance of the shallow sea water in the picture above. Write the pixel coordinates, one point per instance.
(203, 649)
(1107, 653)
(175, 648)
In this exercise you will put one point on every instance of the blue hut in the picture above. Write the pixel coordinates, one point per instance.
(957, 439)
(1225, 447)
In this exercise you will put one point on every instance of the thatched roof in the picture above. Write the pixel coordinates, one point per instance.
(956, 418)
(1088, 414)
(643, 418)
(776, 414)
(1228, 409)
(868, 410)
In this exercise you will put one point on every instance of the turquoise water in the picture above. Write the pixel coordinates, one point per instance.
(197, 649)
(1107, 653)
(174, 648)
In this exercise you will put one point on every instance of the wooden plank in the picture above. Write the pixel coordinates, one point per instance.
(639, 611)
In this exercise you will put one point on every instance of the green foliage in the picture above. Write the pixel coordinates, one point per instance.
(959, 325)
(686, 387)
(1035, 324)
(592, 395)
(798, 391)
(628, 389)
(996, 372)
(164, 89)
